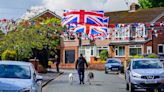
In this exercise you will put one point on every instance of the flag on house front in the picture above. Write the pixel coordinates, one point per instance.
(83, 17)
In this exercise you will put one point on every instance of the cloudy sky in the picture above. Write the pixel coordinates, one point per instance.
(16, 8)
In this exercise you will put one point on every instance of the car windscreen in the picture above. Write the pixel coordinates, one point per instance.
(15, 71)
(113, 61)
(147, 64)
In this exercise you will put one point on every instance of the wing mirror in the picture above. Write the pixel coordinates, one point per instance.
(39, 78)
(128, 68)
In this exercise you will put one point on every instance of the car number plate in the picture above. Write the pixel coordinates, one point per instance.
(114, 69)
(150, 81)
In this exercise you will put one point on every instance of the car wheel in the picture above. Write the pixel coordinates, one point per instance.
(127, 86)
(131, 88)
(106, 72)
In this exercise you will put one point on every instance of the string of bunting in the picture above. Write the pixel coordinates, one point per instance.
(116, 31)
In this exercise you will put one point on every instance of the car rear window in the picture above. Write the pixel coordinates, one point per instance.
(113, 61)
(15, 71)
(147, 64)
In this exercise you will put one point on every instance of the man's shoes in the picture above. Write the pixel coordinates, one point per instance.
(80, 83)
(83, 83)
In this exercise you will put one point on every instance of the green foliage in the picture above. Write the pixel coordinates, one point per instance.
(1, 32)
(8, 55)
(151, 3)
(134, 57)
(104, 55)
(152, 56)
(28, 36)
(137, 56)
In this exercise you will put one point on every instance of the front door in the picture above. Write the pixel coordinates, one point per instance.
(69, 56)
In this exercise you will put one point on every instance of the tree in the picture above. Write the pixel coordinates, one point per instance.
(30, 35)
(151, 3)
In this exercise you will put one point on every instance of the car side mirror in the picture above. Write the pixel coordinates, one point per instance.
(39, 78)
(128, 68)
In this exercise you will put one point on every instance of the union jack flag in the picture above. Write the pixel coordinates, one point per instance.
(106, 20)
(83, 17)
(91, 30)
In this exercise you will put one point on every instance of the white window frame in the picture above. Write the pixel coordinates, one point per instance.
(117, 48)
(135, 46)
(101, 48)
(158, 48)
(82, 48)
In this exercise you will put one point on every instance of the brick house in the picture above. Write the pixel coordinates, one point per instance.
(71, 50)
(136, 40)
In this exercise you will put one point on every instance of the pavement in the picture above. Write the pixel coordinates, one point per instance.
(50, 75)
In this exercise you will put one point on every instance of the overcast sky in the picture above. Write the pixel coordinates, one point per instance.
(16, 8)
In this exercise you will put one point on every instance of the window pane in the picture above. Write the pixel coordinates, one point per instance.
(160, 49)
(121, 51)
(139, 51)
(82, 52)
(132, 51)
(135, 51)
(91, 52)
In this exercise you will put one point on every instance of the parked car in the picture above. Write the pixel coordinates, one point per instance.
(113, 65)
(19, 76)
(145, 73)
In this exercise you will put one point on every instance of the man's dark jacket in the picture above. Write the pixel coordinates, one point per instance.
(80, 63)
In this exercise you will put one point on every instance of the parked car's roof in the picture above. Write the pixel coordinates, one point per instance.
(144, 59)
(15, 62)
(113, 59)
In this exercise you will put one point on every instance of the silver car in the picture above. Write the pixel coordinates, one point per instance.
(146, 73)
(19, 76)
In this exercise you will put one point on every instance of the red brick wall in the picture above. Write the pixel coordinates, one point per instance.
(62, 53)
(156, 41)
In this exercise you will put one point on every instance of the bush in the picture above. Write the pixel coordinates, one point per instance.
(137, 56)
(8, 55)
(133, 57)
(152, 56)
(103, 54)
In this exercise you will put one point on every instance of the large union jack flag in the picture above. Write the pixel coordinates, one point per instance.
(106, 20)
(83, 17)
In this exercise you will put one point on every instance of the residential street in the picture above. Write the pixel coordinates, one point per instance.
(102, 83)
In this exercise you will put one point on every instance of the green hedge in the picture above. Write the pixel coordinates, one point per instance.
(8, 55)
(152, 56)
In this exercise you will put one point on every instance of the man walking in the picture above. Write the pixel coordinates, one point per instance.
(80, 67)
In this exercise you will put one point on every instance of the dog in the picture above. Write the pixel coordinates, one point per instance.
(90, 77)
(71, 78)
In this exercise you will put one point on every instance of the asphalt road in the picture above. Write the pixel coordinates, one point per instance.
(102, 83)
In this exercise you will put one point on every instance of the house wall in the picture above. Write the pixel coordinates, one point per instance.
(154, 43)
